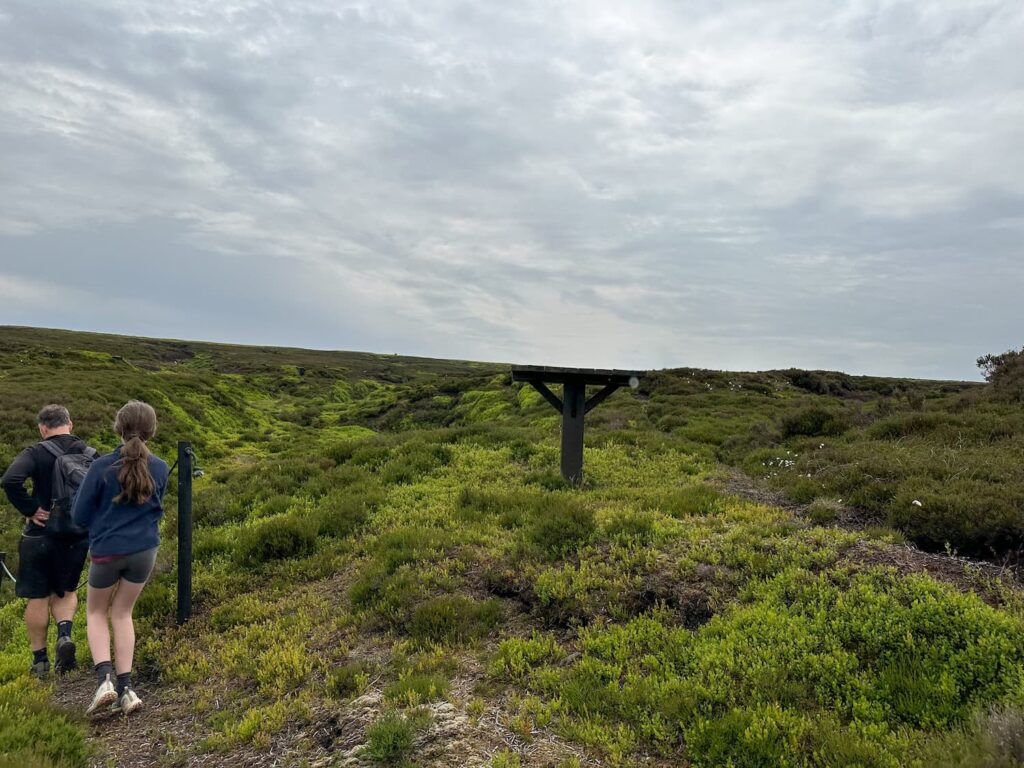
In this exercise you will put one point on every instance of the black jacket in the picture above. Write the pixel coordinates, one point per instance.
(35, 463)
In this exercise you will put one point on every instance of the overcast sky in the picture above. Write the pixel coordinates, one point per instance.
(740, 185)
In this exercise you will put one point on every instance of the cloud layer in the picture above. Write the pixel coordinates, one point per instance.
(650, 184)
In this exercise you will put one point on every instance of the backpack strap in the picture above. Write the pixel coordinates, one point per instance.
(48, 445)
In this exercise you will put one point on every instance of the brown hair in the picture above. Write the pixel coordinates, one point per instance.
(135, 423)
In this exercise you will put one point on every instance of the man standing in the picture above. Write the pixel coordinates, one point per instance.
(49, 564)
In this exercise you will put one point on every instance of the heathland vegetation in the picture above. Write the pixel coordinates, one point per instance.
(389, 570)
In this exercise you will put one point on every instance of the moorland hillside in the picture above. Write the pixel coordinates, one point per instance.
(760, 568)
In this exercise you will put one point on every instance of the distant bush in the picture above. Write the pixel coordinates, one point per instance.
(973, 518)
(1005, 373)
(820, 383)
(274, 539)
(814, 422)
(911, 424)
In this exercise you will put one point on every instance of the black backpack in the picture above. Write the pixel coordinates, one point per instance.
(69, 470)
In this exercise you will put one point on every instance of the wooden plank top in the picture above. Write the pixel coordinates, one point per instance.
(556, 375)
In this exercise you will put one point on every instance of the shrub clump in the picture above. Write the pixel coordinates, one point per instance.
(416, 688)
(561, 526)
(824, 511)
(971, 517)
(341, 513)
(347, 681)
(699, 499)
(815, 422)
(275, 539)
(390, 739)
(451, 619)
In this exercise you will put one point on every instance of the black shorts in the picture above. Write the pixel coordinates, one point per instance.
(48, 565)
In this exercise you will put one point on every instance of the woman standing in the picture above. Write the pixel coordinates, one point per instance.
(120, 504)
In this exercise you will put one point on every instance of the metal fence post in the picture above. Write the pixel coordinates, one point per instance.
(184, 531)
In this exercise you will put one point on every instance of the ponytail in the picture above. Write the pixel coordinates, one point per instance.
(134, 477)
(135, 423)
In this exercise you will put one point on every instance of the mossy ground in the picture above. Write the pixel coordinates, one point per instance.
(388, 571)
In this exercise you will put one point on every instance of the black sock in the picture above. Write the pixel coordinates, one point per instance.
(39, 655)
(63, 629)
(103, 670)
(124, 680)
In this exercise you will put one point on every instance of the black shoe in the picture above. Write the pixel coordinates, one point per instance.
(65, 656)
(41, 669)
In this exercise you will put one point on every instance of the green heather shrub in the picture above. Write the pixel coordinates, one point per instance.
(758, 684)
(518, 657)
(824, 511)
(510, 509)
(973, 518)
(275, 505)
(370, 455)
(911, 424)
(630, 527)
(414, 460)
(414, 688)
(548, 479)
(348, 680)
(993, 738)
(342, 512)
(389, 740)
(274, 539)
(390, 596)
(561, 525)
(454, 619)
(814, 422)
(217, 505)
(698, 499)
(157, 602)
(505, 759)
(33, 732)
(409, 545)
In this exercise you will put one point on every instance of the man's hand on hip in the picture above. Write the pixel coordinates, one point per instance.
(40, 517)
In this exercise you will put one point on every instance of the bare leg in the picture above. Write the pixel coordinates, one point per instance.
(124, 628)
(96, 605)
(63, 608)
(37, 619)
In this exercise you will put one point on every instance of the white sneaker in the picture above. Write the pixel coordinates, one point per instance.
(105, 695)
(128, 702)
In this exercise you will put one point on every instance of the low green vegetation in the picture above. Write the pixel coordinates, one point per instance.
(388, 566)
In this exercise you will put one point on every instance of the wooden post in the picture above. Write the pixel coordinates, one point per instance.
(574, 403)
(184, 531)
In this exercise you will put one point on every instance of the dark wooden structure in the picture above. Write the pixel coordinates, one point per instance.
(574, 404)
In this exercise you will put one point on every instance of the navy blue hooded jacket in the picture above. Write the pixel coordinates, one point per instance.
(119, 528)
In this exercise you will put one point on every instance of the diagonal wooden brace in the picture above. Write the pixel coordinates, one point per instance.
(550, 396)
(600, 397)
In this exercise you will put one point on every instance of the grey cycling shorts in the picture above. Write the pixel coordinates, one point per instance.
(135, 568)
